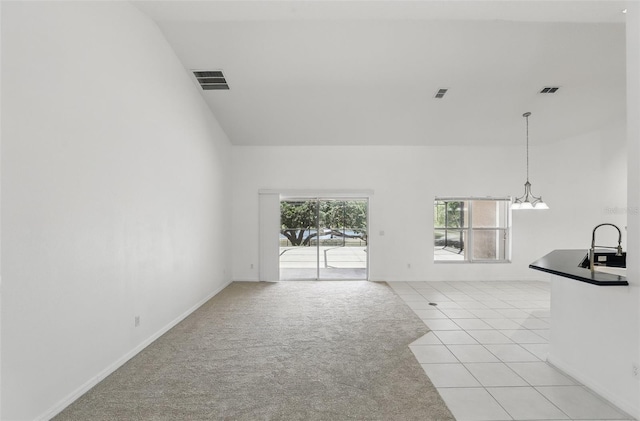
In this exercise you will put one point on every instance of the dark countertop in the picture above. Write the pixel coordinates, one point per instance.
(566, 263)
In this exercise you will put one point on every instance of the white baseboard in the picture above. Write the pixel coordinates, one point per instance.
(69, 399)
(417, 281)
(629, 407)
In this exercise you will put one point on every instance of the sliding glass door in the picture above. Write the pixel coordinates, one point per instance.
(323, 238)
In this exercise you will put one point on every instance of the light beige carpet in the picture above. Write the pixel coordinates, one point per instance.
(316, 350)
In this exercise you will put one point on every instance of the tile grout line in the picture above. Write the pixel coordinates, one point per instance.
(529, 385)
(475, 378)
(530, 311)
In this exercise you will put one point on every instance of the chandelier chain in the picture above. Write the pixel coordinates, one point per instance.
(527, 118)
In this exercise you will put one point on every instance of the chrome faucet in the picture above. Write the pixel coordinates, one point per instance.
(592, 250)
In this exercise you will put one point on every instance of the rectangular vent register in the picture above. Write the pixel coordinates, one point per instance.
(211, 79)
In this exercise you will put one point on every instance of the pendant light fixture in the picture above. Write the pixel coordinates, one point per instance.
(528, 200)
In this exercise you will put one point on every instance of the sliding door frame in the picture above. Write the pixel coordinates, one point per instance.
(293, 195)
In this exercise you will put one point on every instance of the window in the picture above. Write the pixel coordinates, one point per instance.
(471, 230)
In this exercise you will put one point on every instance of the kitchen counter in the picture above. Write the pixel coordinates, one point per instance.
(593, 333)
(565, 263)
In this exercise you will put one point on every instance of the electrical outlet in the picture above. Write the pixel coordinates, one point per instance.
(251, 265)
(635, 371)
(137, 321)
(408, 265)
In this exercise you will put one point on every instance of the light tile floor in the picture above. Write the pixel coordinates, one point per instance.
(486, 352)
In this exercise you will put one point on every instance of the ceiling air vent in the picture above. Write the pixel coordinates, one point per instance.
(441, 93)
(211, 79)
(549, 89)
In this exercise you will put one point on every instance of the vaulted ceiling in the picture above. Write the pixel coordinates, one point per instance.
(366, 72)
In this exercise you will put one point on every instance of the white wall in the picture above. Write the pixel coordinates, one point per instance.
(0, 220)
(594, 338)
(115, 184)
(614, 172)
(631, 313)
(405, 181)
(595, 331)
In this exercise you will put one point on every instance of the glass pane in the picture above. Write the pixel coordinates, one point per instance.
(489, 214)
(343, 239)
(489, 244)
(503, 213)
(449, 244)
(450, 214)
(298, 256)
(485, 214)
(438, 214)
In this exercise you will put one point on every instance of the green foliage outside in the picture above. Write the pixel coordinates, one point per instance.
(448, 221)
(298, 219)
(448, 214)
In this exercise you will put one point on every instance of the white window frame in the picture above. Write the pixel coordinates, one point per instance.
(469, 230)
